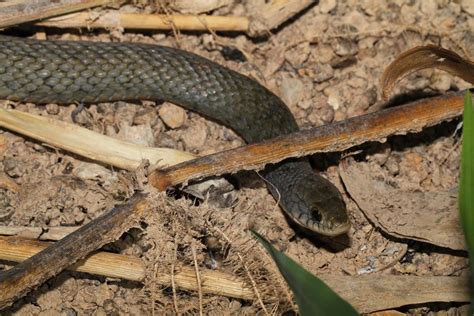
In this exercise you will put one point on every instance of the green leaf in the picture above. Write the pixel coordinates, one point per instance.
(466, 187)
(311, 294)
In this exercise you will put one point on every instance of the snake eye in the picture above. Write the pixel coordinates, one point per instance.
(316, 215)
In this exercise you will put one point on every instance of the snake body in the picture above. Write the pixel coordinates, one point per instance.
(68, 71)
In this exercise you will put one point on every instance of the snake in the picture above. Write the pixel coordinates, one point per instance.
(65, 72)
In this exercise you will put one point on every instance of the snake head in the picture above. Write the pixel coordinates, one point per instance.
(328, 217)
(315, 203)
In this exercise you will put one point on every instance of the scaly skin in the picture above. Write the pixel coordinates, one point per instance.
(67, 72)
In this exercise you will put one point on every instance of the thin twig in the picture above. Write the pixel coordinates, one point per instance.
(198, 278)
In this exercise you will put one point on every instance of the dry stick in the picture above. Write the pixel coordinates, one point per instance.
(16, 12)
(338, 136)
(34, 271)
(380, 291)
(274, 13)
(114, 19)
(130, 268)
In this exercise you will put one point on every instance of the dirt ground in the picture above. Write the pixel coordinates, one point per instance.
(326, 64)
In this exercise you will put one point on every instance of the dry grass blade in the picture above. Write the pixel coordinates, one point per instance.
(16, 12)
(130, 268)
(88, 143)
(423, 57)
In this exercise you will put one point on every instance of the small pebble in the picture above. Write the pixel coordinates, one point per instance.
(52, 109)
(323, 53)
(165, 140)
(429, 7)
(467, 6)
(145, 116)
(140, 134)
(297, 55)
(195, 136)
(326, 6)
(322, 72)
(357, 19)
(344, 47)
(173, 116)
(291, 90)
(334, 99)
(441, 82)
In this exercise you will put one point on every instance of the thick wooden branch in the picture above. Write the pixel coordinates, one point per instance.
(338, 136)
(32, 272)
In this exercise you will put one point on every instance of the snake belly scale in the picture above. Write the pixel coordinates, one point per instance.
(69, 71)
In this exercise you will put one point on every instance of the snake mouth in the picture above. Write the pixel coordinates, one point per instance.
(331, 231)
(327, 227)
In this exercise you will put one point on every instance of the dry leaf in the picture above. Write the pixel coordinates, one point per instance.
(423, 57)
(430, 217)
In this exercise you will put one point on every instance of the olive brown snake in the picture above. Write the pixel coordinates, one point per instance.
(66, 72)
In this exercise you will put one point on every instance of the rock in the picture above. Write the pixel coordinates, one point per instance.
(334, 98)
(52, 109)
(408, 15)
(298, 54)
(140, 134)
(124, 113)
(467, 6)
(357, 20)
(173, 116)
(146, 115)
(165, 140)
(326, 114)
(344, 47)
(323, 53)
(195, 136)
(441, 82)
(291, 90)
(322, 72)
(305, 104)
(326, 6)
(429, 7)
